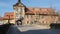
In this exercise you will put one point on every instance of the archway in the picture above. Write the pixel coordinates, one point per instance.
(19, 22)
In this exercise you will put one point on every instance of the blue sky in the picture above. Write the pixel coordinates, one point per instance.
(7, 5)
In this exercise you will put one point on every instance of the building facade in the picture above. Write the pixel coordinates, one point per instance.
(1, 20)
(8, 17)
(31, 15)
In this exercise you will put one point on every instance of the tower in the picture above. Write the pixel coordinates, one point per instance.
(19, 12)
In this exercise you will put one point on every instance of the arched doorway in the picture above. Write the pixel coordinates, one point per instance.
(19, 22)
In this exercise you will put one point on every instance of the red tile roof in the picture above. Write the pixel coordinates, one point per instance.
(39, 11)
(9, 14)
(30, 11)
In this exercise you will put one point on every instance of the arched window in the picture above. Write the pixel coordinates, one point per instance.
(27, 22)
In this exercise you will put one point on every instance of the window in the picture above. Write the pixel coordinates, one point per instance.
(54, 16)
(19, 9)
(27, 22)
(17, 15)
(27, 16)
(42, 22)
(31, 22)
(42, 16)
(31, 16)
(39, 16)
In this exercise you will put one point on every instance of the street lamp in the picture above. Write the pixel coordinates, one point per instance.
(9, 19)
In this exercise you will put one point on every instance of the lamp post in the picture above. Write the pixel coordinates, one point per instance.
(9, 19)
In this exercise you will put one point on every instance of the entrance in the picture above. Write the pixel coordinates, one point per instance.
(19, 22)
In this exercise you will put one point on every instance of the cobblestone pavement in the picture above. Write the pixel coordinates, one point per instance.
(31, 30)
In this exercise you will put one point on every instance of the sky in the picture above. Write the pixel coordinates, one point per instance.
(7, 5)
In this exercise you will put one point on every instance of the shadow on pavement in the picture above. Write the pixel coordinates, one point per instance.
(4, 28)
(43, 31)
(8, 29)
(14, 30)
(55, 26)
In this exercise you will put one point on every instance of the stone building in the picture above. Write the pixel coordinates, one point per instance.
(31, 15)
